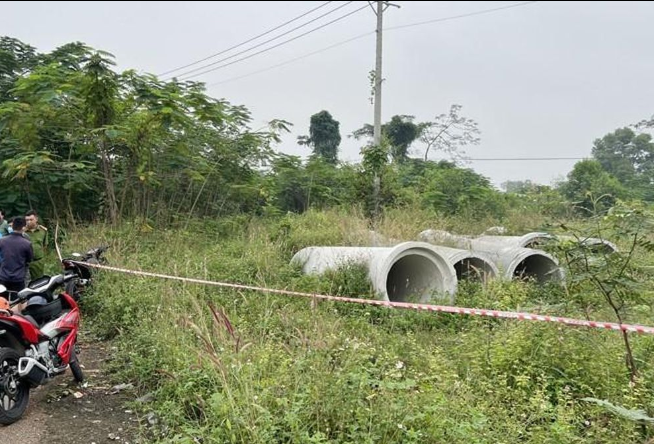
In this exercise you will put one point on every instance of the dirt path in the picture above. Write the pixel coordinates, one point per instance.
(63, 412)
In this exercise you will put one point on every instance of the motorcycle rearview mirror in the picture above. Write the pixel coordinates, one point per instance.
(3, 289)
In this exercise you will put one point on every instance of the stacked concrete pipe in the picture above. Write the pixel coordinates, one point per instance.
(529, 240)
(469, 265)
(538, 239)
(513, 260)
(595, 245)
(409, 269)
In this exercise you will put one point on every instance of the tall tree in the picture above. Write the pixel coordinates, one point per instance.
(324, 137)
(99, 92)
(399, 133)
(591, 188)
(449, 133)
(16, 59)
(629, 157)
(77, 135)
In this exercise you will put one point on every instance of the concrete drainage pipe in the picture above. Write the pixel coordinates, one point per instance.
(469, 265)
(529, 240)
(536, 240)
(527, 263)
(513, 262)
(399, 274)
(595, 245)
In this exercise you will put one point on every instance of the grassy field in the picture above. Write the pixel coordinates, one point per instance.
(240, 366)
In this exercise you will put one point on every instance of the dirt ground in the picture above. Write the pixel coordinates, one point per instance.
(63, 412)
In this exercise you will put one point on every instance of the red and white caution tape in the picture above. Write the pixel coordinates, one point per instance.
(56, 243)
(404, 305)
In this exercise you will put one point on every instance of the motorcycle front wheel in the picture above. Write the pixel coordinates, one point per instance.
(76, 368)
(73, 289)
(14, 393)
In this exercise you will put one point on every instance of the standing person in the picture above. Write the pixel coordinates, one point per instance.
(4, 225)
(38, 235)
(4, 230)
(17, 253)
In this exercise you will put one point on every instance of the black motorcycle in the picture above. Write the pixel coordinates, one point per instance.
(76, 265)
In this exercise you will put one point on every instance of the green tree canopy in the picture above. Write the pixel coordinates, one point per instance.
(324, 137)
(629, 157)
(590, 188)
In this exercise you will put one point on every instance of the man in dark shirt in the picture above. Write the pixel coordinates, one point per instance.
(17, 253)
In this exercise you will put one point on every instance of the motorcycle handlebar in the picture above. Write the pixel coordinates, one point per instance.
(92, 253)
(97, 251)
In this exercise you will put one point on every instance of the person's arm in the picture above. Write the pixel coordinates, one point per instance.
(29, 257)
(45, 239)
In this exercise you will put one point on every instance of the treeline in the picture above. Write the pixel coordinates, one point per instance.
(80, 141)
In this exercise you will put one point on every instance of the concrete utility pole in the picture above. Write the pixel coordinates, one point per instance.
(376, 138)
(378, 73)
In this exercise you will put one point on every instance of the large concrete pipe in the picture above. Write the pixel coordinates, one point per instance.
(513, 262)
(538, 239)
(529, 240)
(468, 264)
(410, 269)
(525, 263)
(595, 245)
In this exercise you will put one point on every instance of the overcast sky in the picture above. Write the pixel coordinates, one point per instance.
(542, 80)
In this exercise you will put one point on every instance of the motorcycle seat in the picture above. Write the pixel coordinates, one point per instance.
(30, 319)
(44, 313)
(42, 286)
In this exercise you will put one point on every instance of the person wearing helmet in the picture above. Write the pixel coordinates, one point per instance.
(4, 298)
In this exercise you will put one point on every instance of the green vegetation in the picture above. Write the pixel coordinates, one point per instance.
(240, 366)
(177, 182)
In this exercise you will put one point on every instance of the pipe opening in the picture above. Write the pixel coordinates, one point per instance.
(537, 267)
(474, 269)
(413, 277)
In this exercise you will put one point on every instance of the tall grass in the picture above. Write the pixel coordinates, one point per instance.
(239, 366)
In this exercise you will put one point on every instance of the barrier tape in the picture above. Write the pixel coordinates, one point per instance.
(56, 236)
(403, 305)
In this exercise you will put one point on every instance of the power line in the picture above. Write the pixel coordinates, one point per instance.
(266, 41)
(277, 45)
(295, 59)
(501, 159)
(442, 19)
(460, 16)
(521, 159)
(247, 41)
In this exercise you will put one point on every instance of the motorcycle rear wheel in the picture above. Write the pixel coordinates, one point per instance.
(14, 393)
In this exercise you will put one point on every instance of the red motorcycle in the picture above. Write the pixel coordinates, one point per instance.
(37, 344)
